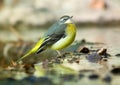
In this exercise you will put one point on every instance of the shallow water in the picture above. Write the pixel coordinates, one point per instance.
(108, 36)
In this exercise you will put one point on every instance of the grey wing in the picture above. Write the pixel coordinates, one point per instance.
(54, 33)
(56, 28)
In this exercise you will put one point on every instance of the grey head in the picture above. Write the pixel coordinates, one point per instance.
(65, 19)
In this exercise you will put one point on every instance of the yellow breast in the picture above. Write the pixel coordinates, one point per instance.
(66, 41)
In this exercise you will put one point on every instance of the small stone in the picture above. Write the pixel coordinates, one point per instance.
(84, 50)
(118, 55)
(77, 61)
(105, 60)
(103, 52)
(107, 79)
(116, 71)
(93, 76)
(94, 57)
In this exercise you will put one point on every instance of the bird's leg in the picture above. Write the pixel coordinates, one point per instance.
(58, 52)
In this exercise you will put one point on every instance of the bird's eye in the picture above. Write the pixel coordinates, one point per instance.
(64, 19)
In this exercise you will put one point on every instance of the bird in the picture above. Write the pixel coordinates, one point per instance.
(59, 36)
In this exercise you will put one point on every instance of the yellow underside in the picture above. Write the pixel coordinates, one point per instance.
(66, 41)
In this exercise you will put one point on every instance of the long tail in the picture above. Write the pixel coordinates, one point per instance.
(33, 50)
(30, 52)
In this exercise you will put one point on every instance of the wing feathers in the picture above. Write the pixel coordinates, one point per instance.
(49, 40)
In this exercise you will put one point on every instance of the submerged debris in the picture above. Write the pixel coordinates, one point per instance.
(98, 55)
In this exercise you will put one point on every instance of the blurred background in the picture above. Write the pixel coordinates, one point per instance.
(23, 22)
(27, 20)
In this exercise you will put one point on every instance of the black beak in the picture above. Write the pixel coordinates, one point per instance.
(71, 17)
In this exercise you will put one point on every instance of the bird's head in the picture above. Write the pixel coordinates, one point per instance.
(66, 19)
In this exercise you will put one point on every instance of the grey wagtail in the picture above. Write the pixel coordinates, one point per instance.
(59, 36)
